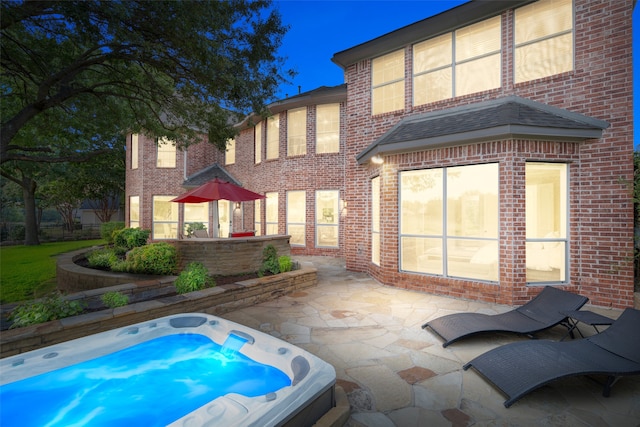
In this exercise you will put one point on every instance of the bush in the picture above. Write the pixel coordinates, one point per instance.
(129, 238)
(50, 308)
(193, 278)
(102, 259)
(17, 232)
(114, 299)
(108, 228)
(155, 258)
(285, 264)
(269, 261)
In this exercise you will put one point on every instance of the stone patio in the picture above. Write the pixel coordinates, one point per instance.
(396, 374)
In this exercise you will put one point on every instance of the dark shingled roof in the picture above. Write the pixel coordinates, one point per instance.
(511, 116)
(207, 174)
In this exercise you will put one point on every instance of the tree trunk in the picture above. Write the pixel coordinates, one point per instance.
(30, 219)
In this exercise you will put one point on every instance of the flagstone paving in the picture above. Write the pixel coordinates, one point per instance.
(397, 374)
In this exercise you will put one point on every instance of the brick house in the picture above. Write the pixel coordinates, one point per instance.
(479, 153)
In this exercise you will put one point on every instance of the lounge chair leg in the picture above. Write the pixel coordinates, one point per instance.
(611, 380)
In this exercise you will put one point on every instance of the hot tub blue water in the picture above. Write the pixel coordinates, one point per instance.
(183, 370)
(178, 373)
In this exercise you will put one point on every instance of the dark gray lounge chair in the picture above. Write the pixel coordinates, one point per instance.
(543, 312)
(519, 368)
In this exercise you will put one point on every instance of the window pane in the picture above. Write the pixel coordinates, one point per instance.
(545, 58)
(196, 212)
(271, 211)
(165, 218)
(433, 53)
(166, 154)
(134, 151)
(258, 142)
(230, 155)
(478, 75)
(478, 39)
(388, 68)
(297, 132)
(546, 213)
(327, 236)
(432, 87)
(273, 137)
(327, 218)
(375, 220)
(388, 98)
(472, 201)
(474, 259)
(421, 202)
(257, 209)
(421, 255)
(328, 128)
(296, 216)
(134, 211)
(542, 19)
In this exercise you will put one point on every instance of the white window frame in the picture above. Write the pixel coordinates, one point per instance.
(271, 213)
(171, 222)
(135, 148)
(294, 221)
(327, 219)
(134, 211)
(257, 143)
(388, 83)
(190, 219)
(230, 153)
(273, 138)
(297, 132)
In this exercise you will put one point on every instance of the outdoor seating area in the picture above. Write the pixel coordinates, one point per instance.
(395, 373)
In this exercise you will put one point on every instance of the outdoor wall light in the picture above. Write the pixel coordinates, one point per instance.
(237, 205)
(377, 160)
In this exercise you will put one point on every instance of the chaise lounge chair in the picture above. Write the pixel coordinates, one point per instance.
(519, 368)
(542, 312)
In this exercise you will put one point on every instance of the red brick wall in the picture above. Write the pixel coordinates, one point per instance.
(601, 226)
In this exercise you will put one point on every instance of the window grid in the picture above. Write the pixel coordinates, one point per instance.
(387, 82)
(166, 154)
(165, 218)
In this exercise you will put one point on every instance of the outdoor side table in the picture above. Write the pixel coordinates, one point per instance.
(587, 317)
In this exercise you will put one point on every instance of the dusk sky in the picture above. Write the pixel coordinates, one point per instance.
(321, 28)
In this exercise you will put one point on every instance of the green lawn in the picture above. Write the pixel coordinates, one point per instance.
(28, 272)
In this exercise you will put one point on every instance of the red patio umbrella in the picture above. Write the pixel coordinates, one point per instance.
(217, 189)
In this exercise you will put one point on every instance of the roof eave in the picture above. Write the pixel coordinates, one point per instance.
(476, 136)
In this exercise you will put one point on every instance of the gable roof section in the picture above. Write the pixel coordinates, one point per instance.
(509, 117)
(207, 174)
(449, 20)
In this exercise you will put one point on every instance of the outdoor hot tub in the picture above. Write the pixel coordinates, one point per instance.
(180, 370)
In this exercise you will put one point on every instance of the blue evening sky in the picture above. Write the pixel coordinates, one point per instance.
(321, 28)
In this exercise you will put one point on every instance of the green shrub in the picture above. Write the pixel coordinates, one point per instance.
(285, 264)
(155, 258)
(193, 278)
(269, 261)
(108, 228)
(52, 307)
(114, 299)
(17, 232)
(192, 227)
(129, 238)
(102, 259)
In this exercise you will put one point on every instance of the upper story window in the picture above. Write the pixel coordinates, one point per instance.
(387, 82)
(166, 154)
(459, 63)
(273, 137)
(230, 154)
(134, 151)
(297, 132)
(258, 142)
(328, 128)
(543, 39)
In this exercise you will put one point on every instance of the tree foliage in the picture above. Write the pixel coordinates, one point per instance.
(172, 68)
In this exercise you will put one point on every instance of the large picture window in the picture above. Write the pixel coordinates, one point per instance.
(449, 221)
(388, 83)
(166, 154)
(165, 218)
(375, 220)
(273, 138)
(543, 39)
(546, 212)
(296, 217)
(297, 132)
(271, 211)
(328, 128)
(327, 217)
(134, 211)
(459, 63)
